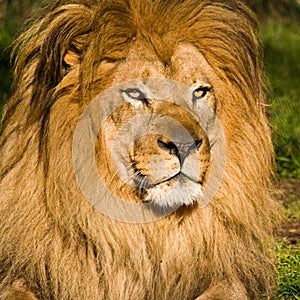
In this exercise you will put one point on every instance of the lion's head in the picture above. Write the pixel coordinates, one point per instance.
(153, 146)
(157, 101)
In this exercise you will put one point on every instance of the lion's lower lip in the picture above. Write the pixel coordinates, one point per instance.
(143, 182)
(173, 193)
(179, 176)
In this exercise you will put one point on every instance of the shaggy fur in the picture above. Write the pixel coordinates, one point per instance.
(53, 244)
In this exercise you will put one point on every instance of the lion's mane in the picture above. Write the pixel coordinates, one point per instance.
(52, 239)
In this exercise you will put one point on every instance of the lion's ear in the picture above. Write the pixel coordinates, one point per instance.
(73, 55)
(71, 59)
(49, 49)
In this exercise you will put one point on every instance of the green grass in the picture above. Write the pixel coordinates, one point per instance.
(282, 62)
(281, 43)
(288, 247)
(288, 267)
(5, 78)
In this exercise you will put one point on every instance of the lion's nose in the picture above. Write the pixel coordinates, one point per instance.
(180, 149)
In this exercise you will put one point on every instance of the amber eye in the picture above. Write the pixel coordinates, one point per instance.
(201, 92)
(135, 94)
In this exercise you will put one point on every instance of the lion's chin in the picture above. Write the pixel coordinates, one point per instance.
(174, 193)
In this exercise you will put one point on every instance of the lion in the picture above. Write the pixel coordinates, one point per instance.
(148, 151)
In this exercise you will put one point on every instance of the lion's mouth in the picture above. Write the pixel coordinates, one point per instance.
(175, 191)
(143, 183)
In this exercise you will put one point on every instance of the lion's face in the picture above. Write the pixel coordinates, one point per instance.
(155, 150)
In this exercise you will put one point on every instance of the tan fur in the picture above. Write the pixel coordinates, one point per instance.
(51, 239)
(145, 156)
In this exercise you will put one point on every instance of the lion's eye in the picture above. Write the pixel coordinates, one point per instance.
(135, 97)
(135, 94)
(200, 92)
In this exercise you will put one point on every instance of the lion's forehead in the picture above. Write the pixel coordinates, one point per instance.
(186, 64)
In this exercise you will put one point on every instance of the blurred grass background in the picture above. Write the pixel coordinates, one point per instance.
(282, 62)
(280, 37)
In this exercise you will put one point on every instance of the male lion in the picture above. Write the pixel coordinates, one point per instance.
(154, 150)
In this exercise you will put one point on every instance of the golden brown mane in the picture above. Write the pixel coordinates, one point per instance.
(51, 238)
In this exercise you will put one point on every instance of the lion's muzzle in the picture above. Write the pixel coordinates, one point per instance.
(175, 159)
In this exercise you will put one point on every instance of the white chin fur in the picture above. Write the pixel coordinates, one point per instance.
(174, 193)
